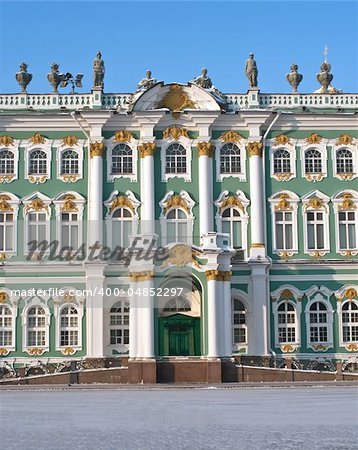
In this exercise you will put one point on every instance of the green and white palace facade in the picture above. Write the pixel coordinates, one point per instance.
(256, 205)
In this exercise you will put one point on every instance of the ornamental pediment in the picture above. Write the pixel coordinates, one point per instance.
(176, 98)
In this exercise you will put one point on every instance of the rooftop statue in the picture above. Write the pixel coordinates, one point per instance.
(54, 77)
(147, 82)
(98, 71)
(324, 77)
(205, 82)
(23, 77)
(251, 70)
(294, 78)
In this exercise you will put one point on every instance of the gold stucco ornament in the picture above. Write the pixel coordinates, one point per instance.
(37, 138)
(345, 139)
(3, 297)
(122, 136)
(180, 255)
(218, 275)
(69, 204)
(284, 203)
(70, 141)
(35, 205)
(351, 293)
(6, 140)
(4, 351)
(231, 201)
(122, 201)
(175, 133)
(146, 149)
(176, 201)
(4, 203)
(282, 139)
(205, 149)
(230, 136)
(255, 148)
(96, 149)
(314, 138)
(176, 99)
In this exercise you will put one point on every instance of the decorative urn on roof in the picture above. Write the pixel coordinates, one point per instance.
(54, 77)
(294, 78)
(23, 77)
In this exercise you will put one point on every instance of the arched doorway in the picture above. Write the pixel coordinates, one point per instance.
(179, 318)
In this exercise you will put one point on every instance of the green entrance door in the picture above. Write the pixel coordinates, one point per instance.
(179, 335)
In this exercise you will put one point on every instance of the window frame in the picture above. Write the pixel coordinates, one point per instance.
(308, 207)
(121, 348)
(133, 145)
(28, 209)
(243, 298)
(61, 148)
(320, 147)
(11, 303)
(13, 203)
(346, 176)
(38, 178)
(241, 176)
(345, 201)
(41, 303)
(290, 148)
(187, 143)
(6, 177)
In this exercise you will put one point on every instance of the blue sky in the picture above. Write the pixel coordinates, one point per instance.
(176, 39)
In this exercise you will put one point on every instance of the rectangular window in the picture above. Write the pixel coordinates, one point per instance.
(36, 338)
(6, 232)
(284, 230)
(70, 227)
(6, 338)
(315, 230)
(240, 335)
(347, 230)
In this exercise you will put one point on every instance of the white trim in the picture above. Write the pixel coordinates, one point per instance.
(187, 144)
(78, 148)
(12, 304)
(38, 178)
(319, 294)
(242, 147)
(325, 211)
(163, 216)
(133, 145)
(338, 199)
(43, 303)
(340, 321)
(47, 210)
(14, 148)
(353, 149)
(243, 216)
(297, 325)
(14, 202)
(322, 148)
(293, 201)
(290, 148)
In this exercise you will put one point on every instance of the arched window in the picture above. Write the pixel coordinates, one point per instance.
(286, 323)
(175, 159)
(119, 323)
(36, 327)
(177, 304)
(69, 162)
(6, 326)
(313, 161)
(7, 232)
(281, 161)
(122, 160)
(69, 326)
(232, 224)
(7, 162)
(350, 322)
(344, 161)
(122, 220)
(177, 226)
(318, 323)
(239, 322)
(230, 159)
(38, 162)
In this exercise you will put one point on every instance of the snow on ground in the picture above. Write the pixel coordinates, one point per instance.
(255, 418)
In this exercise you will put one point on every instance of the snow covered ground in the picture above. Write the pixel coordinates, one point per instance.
(251, 418)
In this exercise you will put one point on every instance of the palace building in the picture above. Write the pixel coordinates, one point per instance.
(238, 213)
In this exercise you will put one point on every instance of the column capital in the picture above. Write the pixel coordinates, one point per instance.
(146, 149)
(254, 149)
(96, 149)
(141, 276)
(218, 275)
(205, 149)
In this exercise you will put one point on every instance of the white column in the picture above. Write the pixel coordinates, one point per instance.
(95, 194)
(259, 345)
(147, 183)
(213, 338)
(145, 317)
(133, 321)
(227, 319)
(205, 150)
(94, 311)
(257, 200)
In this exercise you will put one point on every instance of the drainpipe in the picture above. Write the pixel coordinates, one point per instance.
(73, 115)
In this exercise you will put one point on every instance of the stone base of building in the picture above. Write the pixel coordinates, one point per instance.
(173, 370)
